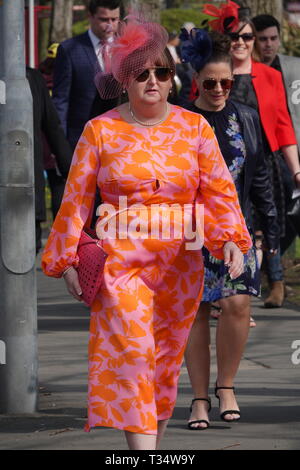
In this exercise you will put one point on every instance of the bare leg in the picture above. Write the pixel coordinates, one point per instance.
(138, 441)
(161, 428)
(231, 338)
(259, 244)
(197, 358)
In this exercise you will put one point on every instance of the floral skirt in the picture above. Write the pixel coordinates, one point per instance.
(218, 284)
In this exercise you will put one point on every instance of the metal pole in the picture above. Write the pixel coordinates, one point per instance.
(18, 311)
(31, 33)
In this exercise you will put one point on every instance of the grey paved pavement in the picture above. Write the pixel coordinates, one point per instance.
(267, 387)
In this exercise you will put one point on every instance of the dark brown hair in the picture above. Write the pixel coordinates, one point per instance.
(221, 45)
(244, 21)
(110, 4)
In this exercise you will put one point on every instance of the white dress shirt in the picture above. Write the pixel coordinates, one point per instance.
(98, 46)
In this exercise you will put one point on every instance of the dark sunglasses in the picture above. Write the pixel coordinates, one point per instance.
(211, 83)
(161, 73)
(246, 37)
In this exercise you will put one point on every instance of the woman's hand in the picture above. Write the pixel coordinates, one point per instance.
(297, 180)
(73, 286)
(271, 253)
(234, 259)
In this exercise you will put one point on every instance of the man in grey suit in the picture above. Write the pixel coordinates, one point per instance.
(268, 42)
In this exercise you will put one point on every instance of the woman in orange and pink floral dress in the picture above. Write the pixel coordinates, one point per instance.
(146, 153)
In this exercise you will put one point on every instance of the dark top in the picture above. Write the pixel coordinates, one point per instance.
(243, 91)
(45, 119)
(228, 131)
(240, 142)
(276, 64)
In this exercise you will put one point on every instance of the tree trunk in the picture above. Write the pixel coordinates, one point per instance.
(270, 7)
(150, 8)
(43, 31)
(61, 20)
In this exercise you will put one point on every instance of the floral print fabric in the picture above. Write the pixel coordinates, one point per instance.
(217, 282)
(142, 315)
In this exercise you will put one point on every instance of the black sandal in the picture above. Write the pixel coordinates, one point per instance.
(199, 421)
(227, 412)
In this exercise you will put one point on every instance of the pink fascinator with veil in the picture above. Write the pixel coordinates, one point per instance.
(137, 43)
(227, 16)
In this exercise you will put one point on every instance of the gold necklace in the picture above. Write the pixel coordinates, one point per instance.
(148, 124)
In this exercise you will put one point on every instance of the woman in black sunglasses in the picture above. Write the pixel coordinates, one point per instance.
(145, 156)
(238, 132)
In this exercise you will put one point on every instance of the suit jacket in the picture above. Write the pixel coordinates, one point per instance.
(273, 109)
(290, 67)
(74, 93)
(45, 119)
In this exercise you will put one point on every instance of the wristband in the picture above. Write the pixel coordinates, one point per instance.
(65, 272)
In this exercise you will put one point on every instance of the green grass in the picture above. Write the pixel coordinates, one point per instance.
(49, 221)
(298, 247)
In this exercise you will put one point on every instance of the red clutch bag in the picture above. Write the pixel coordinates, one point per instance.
(90, 268)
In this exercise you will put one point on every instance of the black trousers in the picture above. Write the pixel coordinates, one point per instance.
(288, 185)
(57, 187)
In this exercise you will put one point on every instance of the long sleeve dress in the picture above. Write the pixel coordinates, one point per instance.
(152, 287)
(231, 126)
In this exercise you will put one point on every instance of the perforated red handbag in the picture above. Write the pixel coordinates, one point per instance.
(92, 259)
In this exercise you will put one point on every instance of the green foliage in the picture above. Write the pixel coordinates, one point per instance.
(80, 27)
(173, 18)
(291, 39)
(296, 246)
(49, 220)
(175, 4)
